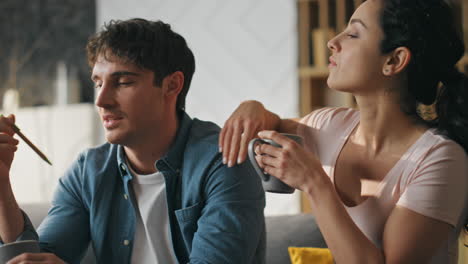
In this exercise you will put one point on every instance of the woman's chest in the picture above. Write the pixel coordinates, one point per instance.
(357, 176)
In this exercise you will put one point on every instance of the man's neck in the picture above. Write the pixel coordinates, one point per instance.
(145, 153)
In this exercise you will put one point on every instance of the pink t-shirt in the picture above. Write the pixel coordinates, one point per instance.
(431, 178)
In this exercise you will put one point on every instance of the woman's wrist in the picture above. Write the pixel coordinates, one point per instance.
(252, 102)
(272, 120)
(316, 185)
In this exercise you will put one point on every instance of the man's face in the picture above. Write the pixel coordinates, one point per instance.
(131, 107)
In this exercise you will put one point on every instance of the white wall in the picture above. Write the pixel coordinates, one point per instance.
(244, 49)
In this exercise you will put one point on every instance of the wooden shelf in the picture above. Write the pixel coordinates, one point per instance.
(318, 22)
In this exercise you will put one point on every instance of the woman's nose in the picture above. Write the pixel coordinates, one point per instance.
(333, 44)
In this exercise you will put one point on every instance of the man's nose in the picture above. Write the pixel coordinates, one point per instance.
(105, 96)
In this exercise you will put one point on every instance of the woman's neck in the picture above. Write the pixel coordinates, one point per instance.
(384, 126)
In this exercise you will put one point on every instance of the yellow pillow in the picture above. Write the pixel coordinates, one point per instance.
(305, 255)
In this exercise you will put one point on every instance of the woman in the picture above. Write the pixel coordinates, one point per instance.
(385, 185)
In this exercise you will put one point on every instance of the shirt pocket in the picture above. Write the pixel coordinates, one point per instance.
(187, 219)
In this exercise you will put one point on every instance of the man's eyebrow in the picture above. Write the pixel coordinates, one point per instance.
(357, 20)
(116, 74)
(123, 73)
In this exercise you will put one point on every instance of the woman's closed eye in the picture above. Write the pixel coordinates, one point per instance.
(352, 35)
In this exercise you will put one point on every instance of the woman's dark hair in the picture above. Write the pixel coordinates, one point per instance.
(428, 29)
(148, 44)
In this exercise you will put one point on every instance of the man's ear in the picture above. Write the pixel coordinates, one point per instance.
(397, 61)
(173, 84)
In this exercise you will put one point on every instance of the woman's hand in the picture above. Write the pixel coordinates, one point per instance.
(242, 126)
(36, 258)
(292, 164)
(8, 145)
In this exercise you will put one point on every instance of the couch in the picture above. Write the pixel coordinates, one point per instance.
(282, 232)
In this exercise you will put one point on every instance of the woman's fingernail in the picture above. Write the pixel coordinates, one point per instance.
(239, 161)
(230, 164)
(224, 160)
(220, 149)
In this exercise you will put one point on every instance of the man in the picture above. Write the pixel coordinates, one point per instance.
(157, 192)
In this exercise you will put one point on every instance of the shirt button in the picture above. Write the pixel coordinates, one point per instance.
(126, 242)
(123, 167)
(125, 196)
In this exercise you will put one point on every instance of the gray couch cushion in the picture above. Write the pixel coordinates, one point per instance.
(290, 231)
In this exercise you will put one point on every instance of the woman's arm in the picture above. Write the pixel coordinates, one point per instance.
(408, 237)
(288, 125)
(244, 124)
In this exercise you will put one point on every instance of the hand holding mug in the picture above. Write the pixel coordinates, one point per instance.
(292, 163)
(269, 182)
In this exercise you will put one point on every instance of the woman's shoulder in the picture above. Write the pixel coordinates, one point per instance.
(330, 116)
(436, 156)
(438, 145)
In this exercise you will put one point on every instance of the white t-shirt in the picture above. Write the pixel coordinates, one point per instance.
(153, 243)
(431, 178)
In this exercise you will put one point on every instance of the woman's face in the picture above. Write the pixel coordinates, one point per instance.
(356, 62)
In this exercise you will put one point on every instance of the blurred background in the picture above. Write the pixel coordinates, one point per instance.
(270, 50)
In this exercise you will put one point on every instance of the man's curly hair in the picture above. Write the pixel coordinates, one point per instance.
(148, 44)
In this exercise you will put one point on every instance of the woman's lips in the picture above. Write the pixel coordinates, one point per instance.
(332, 62)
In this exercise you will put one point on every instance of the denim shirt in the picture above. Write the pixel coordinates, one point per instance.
(215, 212)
